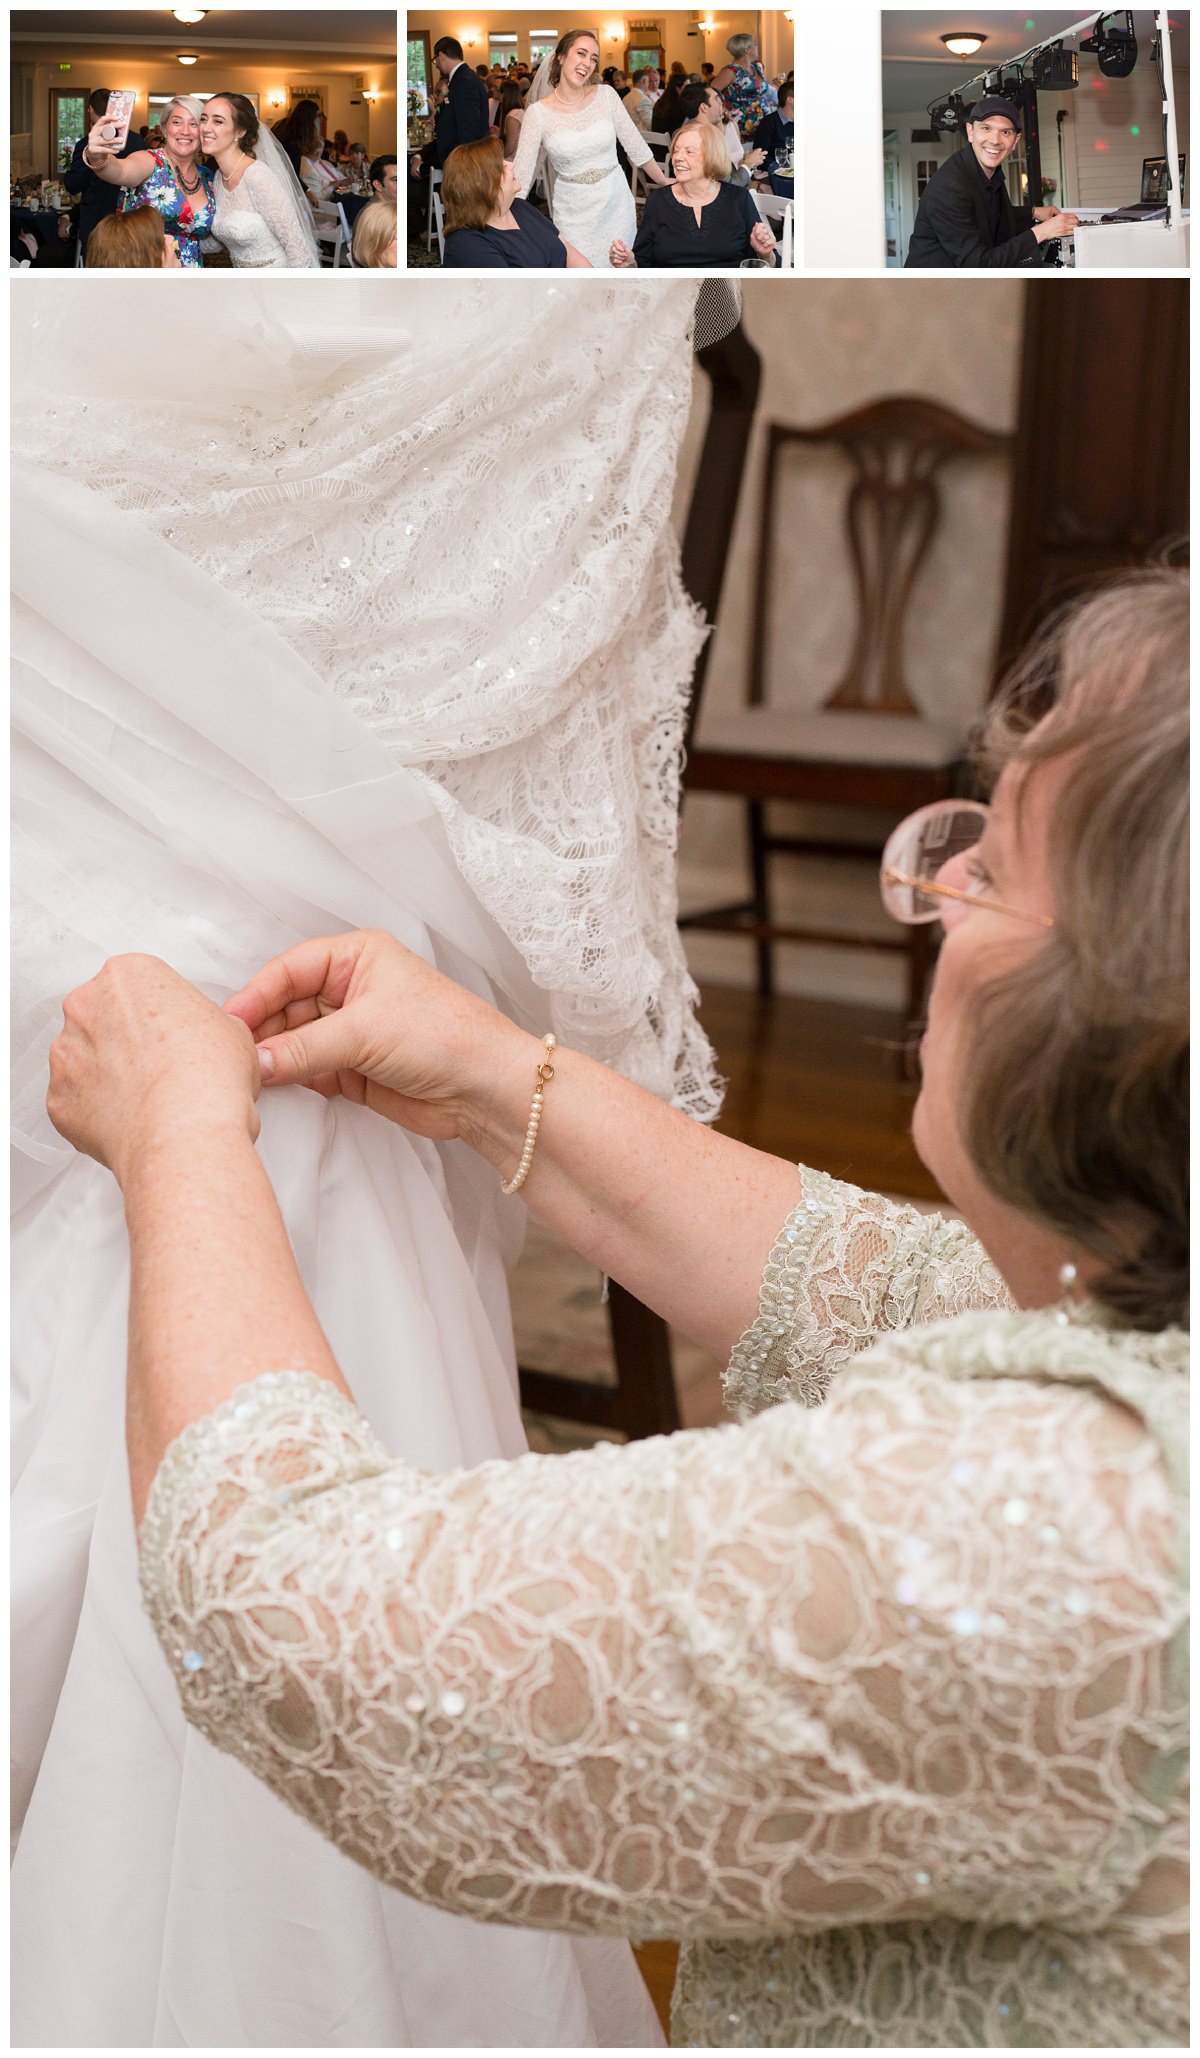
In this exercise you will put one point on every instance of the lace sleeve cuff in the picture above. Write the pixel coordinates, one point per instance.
(845, 1266)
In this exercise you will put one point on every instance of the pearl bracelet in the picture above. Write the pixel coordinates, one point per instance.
(545, 1071)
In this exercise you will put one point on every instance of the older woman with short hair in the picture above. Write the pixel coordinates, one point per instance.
(172, 178)
(744, 85)
(877, 1698)
(703, 218)
(486, 221)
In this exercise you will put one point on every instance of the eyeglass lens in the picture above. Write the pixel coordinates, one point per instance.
(921, 847)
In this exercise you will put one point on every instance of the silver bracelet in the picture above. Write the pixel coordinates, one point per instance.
(545, 1071)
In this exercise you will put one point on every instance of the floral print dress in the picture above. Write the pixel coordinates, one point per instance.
(187, 217)
(749, 96)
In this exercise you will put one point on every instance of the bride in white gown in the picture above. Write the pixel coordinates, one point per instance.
(357, 617)
(262, 214)
(576, 125)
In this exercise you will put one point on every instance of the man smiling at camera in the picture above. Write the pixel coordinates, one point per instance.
(966, 218)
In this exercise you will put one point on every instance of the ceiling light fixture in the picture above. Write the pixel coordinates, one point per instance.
(963, 42)
(190, 15)
(187, 57)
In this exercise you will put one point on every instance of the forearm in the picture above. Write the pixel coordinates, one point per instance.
(215, 1297)
(682, 1216)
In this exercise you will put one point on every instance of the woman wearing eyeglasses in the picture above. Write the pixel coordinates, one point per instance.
(876, 1698)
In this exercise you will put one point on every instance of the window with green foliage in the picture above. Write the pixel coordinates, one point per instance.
(542, 43)
(68, 126)
(418, 74)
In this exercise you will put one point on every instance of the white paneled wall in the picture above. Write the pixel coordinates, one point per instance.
(1104, 157)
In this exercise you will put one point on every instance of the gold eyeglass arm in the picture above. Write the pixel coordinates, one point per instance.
(977, 900)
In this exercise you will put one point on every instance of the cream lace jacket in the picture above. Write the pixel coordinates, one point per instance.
(878, 1704)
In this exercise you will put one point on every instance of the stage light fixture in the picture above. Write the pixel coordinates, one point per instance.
(963, 42)
(1115, 49)
(948, 117)
(1055, 69)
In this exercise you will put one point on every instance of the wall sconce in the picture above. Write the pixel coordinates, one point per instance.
(615, 32)
(276, 99)
(470, 37)
(707, 27)
(370, 96)
(187, 57)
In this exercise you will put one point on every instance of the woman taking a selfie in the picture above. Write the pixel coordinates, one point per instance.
(173, 179)
(876, 1699)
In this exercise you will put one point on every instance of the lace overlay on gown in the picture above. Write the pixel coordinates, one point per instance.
(887, 1714)
(592, 203)
(256, 224)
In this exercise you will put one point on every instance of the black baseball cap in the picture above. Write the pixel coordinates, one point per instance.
(994, 103)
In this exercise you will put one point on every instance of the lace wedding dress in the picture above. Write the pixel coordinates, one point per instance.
(360, 616)
(592, 203)
(257, 224)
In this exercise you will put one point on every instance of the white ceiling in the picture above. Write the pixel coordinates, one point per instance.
(345, 37)
(915, 34)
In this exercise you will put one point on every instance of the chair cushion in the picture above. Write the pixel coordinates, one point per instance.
(831, 736)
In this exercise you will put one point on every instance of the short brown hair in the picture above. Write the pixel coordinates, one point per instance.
(713, 153)
(564, 47)
(136, 241)
(471, 183)
(1075, 1105)
(374, 229)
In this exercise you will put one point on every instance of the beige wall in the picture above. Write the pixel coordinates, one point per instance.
(373, 124)
(612, 27)
(828, 346)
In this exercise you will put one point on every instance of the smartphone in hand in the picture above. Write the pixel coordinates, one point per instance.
(114, 128)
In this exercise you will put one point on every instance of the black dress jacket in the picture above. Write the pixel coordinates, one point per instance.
(953, 228)
(463, 117)
(96, 197)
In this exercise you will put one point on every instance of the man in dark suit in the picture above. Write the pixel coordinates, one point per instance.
(777, 130)
(966, 219)
(463, 117)
(96, 197)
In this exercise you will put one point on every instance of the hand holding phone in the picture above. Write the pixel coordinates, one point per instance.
(114, 123)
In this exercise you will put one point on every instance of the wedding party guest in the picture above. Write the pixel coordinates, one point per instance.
(965, 218)
(878, 1699)
(703, 219)
(383, 177)
(136, 241)
(578, 126)
(339, 148)
(668, 108)
(776, 131)
(510, 113)
(707, 74)
(262, 216)
(298, 134)
(374, 243)
(173, 179)
(639, 102)
(744, 85)
(358, 176)
(464, 117)
(486, 221)
(703, 104)
(97, 197)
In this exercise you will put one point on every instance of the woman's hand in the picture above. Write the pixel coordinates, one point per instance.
(762, 242)
(97, 151)
(620, 255)
(751, 159)
(142, 1055)
(361, 1016)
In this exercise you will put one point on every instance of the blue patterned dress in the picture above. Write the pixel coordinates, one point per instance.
(189, 218)
(748, 97)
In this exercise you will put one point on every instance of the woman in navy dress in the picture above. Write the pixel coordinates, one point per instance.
(487, 225)
(701, 219)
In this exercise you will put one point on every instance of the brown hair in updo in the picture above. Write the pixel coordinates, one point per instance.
(1075, 1103)
(245, 121)
(564, 48)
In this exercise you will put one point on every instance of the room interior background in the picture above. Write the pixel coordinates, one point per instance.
(1085, 487)
(346, 58)
(692, 36)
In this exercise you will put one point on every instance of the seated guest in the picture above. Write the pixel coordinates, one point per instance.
(137, 241)
(702, 219)
(704, 104)
(639, 101)
(776, 131)
(668, 108)
(707, 74)
(358, 174)
(374, 243)
(383, 179)
(965, 218)
(488, 225)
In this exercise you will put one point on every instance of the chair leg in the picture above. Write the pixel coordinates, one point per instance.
(645, 1401)
(764, 950)
(920, 957)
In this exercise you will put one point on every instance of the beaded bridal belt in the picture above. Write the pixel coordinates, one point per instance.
(591, 178)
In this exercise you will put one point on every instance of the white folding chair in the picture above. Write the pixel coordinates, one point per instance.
(773, 209)
(439, 218)
(661, 146)
(80, 260)
(347, 243)
(435, 179)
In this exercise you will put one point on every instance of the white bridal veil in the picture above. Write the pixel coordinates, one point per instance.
(336, 613)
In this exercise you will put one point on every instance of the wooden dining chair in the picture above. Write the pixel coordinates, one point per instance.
(869, 745)
(641, 1399)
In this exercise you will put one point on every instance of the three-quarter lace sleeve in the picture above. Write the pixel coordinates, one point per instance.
(846, 1266)
(629, 136)
(524, 164)
(776, 1677)
(264, 189)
